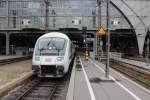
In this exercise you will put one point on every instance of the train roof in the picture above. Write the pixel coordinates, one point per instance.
(54, 34)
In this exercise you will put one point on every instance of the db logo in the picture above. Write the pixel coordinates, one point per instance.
(48, 59)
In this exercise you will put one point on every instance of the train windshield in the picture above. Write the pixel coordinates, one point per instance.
(52, 46)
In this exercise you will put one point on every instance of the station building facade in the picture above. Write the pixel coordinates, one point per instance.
(128, 17)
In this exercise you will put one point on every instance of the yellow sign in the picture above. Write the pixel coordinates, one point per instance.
(101, 31)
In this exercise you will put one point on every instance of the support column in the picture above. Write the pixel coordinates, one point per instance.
(94, 46)
(98, 24)
(141, 40)
(141, 35)
(7, 43)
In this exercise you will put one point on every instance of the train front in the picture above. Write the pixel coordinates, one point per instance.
(49, 57)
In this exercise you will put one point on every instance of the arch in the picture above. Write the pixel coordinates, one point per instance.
(140, 30)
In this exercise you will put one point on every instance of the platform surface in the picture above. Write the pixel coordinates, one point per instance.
(89, 84)
(12, 71)
(9, 57)
(134, 62)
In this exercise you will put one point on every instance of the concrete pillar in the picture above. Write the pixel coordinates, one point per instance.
(7, 43)
(141, 41)
(141, 35)
(94, 44)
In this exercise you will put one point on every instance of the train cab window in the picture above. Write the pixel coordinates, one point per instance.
(52, 46)
(37, 53)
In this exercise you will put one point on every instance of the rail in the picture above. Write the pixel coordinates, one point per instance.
(140, 76)
(50, 93)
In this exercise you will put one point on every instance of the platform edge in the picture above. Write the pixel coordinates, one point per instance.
(70, 93)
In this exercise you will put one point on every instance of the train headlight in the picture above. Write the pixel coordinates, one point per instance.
(37, 58)
(60, 58)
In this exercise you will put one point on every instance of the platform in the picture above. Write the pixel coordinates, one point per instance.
(134, 62)
(9, 72)
(10, 57)
(89, 84)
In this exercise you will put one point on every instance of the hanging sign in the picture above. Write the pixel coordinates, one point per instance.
(101, 31)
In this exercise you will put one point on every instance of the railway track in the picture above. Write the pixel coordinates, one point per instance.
(142, 77)
(41, 89)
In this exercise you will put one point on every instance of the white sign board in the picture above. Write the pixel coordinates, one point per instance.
(115, 22)
(77, 21)
(25, 21)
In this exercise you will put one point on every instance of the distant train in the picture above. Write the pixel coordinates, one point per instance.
(52, 55)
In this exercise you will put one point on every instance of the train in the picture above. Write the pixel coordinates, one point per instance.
(53, 53)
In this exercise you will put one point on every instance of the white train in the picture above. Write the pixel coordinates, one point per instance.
(52, 55)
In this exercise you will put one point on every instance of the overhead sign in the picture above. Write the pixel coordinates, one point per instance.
(101, 31)
(115, 22)
(77, 21)
(25, 21)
